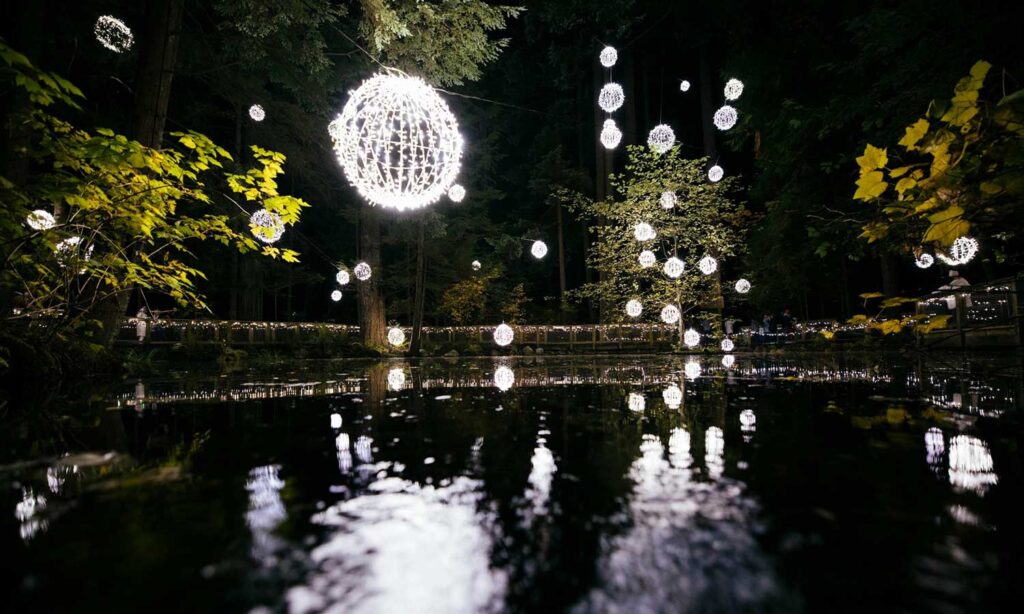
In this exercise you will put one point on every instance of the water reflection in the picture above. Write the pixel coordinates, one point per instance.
(673, 396)
(636, 401)
(266, 511)
(29, 512)
(935, 448)
(692, 370)
(504, 378)
(970, 464)
(396, 379)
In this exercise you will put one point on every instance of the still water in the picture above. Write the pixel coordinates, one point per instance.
(614, 484)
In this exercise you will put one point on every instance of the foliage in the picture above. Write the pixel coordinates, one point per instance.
(136, 211)
(705, 221)
(962, 164)
(483, 297)
(889, 323)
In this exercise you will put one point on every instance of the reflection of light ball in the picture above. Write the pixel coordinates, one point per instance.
(748, 419)
(692, 370)
(257, 113)
(668, 200)
(691, 338)
(266, 226)
(672, 396)
(398, 142)
(396, 336)
(504, 378)
(725, 118)
(336, 296)
(707, 265)
(728, 361)
(714, 441)
(456, 193)
(113, 34)
(362, 271)
(674, 267)
(661, 138)
(644, 232)
(733, 89)
(728, 345)
(539, 249)
(476, 265)
(634, 308)
(684, 86)
(647, 258)
(742, 286)
(636, 401)
(610, 134)
(715, 173)
(670, 314)
(40, 220)
(503, 334)
(396, 378)
(335, 421)
(924, 261)
(608, 57)
(342, 277)
(610, 97)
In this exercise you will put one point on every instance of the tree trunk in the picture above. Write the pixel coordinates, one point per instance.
(561, 258)
(371, 304)
(417, 316)
(890, 275)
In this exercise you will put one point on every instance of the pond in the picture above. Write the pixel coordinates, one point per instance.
(586, 484)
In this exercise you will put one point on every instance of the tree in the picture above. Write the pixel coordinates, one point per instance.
(705, 221)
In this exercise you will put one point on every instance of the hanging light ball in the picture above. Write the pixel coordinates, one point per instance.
(342, 277)
(396, 336)
(692, 370)
(674, 267)
(636, 401)
(608, 57)
(257, 113)
(396, 379)
(266, 226)
(684, 86)
(668, 200)
(661, 138)
(647, 258)
(733, 89)
(456, 193)
(961, 251)
(707, 265)
(504, 378)
(673, 396)
(70, 249)
(725, 117)
(610, 134)
(715, 173)
(362, 271)
(503, 334)
(336, 296)
(924, 261)
(40, 219)
(539, 249)
(728, 345)
(728, 361)
(398, 142)
(476, 265)
(691, 338)
(611, 97)
(670, 314)
(644, 232)
(742, 286)
(113, 34)
(634, 308)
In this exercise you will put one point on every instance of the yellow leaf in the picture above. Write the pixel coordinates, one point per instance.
(899, 172)
(980, 69)
(947, 214)
(873, 158)
(905, 184)
(827, 334)
(944, 233)
(927, 205)
(914, 134)
(870, 185)
(891, 327)
(868, 295)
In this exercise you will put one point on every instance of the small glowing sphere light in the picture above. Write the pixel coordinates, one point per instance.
(336, 296)
(362, 271)
(608, 57)
(728, 345)
(257, 113)
(670, 314)
(610, 134)
(733, 89)
(342, 277)
(742, 286)
(674, 267)
(396, 336)
(503, 334)
(661, 138)
(692, 370)
(684, 86)
(707, 265)
(715, 173)
(668, 200)
(40, 219)
(539, 249)
(476, 265)
(113, 34)
(924, 261)
(647, 258)
(398, 142)
(691, 338)
(672, 396)
(634, 308)
(504, 378)
(266, 226)
(611, 97)
(644, 232)
(456, 193)
(725, 118)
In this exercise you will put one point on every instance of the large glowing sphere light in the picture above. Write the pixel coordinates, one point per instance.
(725, 118)
(610, 134)
(674, 267)
(733, 89)
(609, 56)
(647, 258)
(539, 249)
(715, 173)
(742, 286)
(670, 314)
(661, 138)
(257, 113)
(342, 277)
(691, 338)
(728, 345)
(113, 34)
(503, 334)
(634, 308)
(668, 200)
(40, 219)
(336, 295)
(644, 232)
(707, 265)
(266, 226)
(396, 336)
